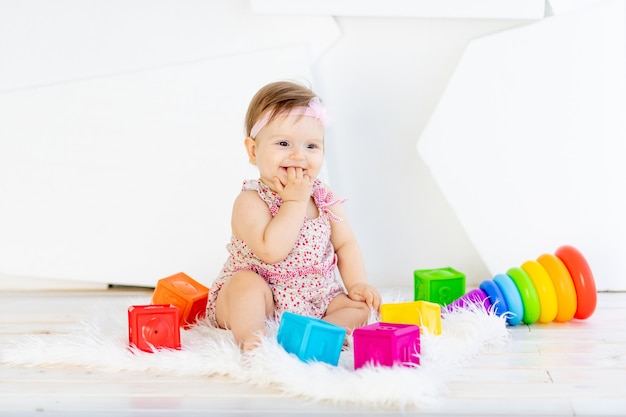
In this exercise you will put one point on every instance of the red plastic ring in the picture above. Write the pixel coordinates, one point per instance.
(583, 280)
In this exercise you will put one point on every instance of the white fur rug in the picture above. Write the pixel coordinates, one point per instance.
(101, 342)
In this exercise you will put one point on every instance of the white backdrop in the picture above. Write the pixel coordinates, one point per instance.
(528, 142)
(129, 178)
(121, 131)
(113, 119)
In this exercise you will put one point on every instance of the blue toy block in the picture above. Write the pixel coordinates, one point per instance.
(311, 339)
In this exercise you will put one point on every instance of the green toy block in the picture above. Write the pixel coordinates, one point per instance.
(441, 286)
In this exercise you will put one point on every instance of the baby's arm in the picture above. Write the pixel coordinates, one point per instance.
(350, 262)
(272, 238)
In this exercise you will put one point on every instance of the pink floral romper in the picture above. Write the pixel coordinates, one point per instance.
(304, 282)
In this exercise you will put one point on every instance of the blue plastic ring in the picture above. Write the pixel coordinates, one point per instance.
(513, 298)
(495, 296)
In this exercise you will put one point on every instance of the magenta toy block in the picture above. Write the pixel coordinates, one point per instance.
(441, 286)
(311, 339)
(153, 326)
(185, 293)
(386, 344)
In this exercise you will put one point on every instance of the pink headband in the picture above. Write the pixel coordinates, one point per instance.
(314, 109)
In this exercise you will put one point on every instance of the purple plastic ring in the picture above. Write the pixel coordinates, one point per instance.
(473, 297)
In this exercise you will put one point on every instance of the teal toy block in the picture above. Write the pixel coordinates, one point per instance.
(311, 339)
(441, 286)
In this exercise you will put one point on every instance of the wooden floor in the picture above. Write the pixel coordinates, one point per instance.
(570, 369)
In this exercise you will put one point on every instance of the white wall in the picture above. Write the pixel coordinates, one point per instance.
(121, 131)
(75, 75)
(479, 198)
(382, 80)
(541, 109)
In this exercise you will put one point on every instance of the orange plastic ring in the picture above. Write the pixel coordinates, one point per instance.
(583, 280)
(548, 304)
(563, 286)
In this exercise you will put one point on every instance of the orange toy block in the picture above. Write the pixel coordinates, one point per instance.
(183, 292)
(153, 326)
(422, 313)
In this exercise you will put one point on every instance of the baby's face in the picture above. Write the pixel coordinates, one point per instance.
(289, 141)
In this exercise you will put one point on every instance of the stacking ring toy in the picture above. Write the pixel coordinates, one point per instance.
(495, 297)
(548, 306)
(530, 299)
(555, 287)
(582, 278)
(563, 286)
(512, 297)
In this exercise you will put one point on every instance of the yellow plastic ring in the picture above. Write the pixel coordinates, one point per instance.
(563, 286)
(548, 304)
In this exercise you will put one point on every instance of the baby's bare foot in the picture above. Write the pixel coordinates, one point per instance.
(252, 342)
(346, 340)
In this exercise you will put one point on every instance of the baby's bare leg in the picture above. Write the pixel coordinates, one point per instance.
(347, 313)
(242, 305)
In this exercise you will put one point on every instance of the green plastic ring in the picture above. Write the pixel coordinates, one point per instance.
(530, 298)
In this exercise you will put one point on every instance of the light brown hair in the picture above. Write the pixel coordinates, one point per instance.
(277, 97)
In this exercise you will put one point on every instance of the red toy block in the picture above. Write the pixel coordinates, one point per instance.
(154, 326)
(183, 292)
(386, 344)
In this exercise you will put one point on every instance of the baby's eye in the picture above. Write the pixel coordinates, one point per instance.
(283, 143)
(311, 146)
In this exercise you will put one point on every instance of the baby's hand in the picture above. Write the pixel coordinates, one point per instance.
(297, 187)
(362, 291)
